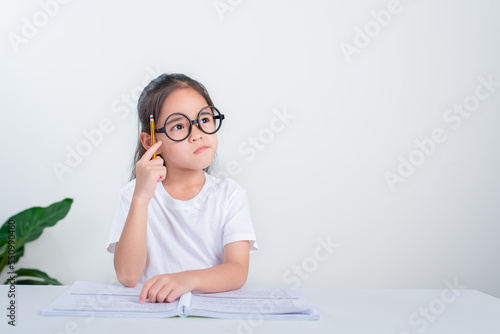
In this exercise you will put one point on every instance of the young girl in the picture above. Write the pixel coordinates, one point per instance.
(177, 228)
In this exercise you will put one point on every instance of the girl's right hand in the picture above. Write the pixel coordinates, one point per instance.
(148, 173)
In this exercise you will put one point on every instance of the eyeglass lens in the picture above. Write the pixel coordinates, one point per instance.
(178, 126)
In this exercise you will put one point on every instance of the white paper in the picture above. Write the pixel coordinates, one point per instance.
(114, 300)
(262, 300)
(99, 299)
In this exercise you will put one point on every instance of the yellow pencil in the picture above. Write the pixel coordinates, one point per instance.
(152, 126)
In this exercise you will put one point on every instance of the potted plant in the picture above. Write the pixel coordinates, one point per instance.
(25, 227)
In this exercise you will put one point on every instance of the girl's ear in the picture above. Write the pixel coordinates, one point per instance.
(146, 141)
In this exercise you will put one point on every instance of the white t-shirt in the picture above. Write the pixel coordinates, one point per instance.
(189, 235)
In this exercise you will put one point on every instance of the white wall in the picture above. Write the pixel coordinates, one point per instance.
(320, 175)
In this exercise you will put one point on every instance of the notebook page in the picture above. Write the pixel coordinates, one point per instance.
(251, 300)
(100, 299)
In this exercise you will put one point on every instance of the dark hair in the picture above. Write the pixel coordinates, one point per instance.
(151, 101)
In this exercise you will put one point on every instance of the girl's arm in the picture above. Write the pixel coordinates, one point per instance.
(131, 251)
(230, 275)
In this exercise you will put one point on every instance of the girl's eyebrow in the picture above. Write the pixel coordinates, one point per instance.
(175, 119)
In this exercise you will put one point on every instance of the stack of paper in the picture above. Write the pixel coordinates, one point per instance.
(114, 300)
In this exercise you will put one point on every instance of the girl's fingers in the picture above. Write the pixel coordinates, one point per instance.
(163, 174)
(149, 173)
(145, 290)
(149, 153)
(157, 161)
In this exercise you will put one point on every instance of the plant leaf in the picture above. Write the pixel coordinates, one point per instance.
(4, 257)
(19, 253)
(29, 224)
(35, 273)
(31, 282)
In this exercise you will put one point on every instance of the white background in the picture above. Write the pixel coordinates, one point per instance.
(320, 175)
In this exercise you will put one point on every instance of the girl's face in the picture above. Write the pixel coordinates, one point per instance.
(196, 151)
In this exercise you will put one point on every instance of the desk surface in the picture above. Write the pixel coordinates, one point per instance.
(372, 311)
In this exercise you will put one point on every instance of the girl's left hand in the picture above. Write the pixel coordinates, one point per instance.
(167, 287)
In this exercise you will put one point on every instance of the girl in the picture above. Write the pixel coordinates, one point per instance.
(177, 228)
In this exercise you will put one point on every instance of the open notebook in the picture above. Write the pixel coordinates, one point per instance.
(113, 300)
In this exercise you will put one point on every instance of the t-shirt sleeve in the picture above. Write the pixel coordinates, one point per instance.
(238, 225)
(119, 219)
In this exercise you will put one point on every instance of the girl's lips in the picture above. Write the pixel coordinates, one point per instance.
(201, 149)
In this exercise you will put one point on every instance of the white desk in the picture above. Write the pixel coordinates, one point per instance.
(343, 311)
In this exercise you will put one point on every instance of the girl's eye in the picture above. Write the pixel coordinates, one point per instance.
(177, 127)
(205, 120)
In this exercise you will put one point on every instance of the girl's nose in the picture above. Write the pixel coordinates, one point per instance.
(196, 133)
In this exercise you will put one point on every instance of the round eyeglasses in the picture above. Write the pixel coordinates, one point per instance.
(178, 126)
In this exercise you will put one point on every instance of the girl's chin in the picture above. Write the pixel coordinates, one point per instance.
(200, 166)
(205, 162)
(199, 163)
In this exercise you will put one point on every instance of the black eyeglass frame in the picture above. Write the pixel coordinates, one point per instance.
(191, 122)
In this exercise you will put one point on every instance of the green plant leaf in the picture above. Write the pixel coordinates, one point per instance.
(29, 224)
(43, 278)
(5, 257)
(19, 253)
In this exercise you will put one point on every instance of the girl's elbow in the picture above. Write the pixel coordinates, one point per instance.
(240, 284)
(242, 277)
(125, 275)
(129, 282)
